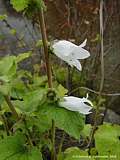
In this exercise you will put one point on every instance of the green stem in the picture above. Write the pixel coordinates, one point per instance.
(5, 123)
(28, 133)
(53, 155)
(61, 144)
(11, 106)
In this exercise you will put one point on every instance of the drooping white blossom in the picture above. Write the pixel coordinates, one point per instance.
(77, 104)
(71, 53)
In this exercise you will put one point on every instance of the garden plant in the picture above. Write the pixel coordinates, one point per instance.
(33, 107)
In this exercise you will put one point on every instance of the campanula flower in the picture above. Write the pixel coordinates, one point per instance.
(81, 105)
(71, 53)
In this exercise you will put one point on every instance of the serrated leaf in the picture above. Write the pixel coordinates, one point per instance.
(75, 153)
(11, 145)
(15, 148)
(20, 5)
(106, 139)
(71, 122)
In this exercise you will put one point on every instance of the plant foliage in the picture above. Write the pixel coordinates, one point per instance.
(36, 106)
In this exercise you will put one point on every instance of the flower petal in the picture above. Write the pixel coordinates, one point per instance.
(77, 64)
(63, 48)
(87, 101)
(80, 53)
(70, 52)
(83, 44)
(75, 104)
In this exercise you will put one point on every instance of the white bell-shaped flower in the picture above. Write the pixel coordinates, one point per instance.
(71, 53)
(76, 104)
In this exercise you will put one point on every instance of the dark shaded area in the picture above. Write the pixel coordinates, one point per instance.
(77, 20)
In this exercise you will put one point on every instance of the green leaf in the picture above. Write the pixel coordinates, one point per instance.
(86, 131)
(5, 88)
(71, 122)
(11, 145)
(106, 139)
(23, 56)
(1, 99)
(12, 71)
(39, 43)
(30, 101)
(7, 73)
(40, 121)
(24, 73)
(8, 61)
(13, 31)
(61, 90)
(18, 85)
(60, 156)
(39, 81)
(1, 123)
(3, 17)
(4, 79)
(20, 5)
(75, 153)
(16, 148)
(40, 4)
